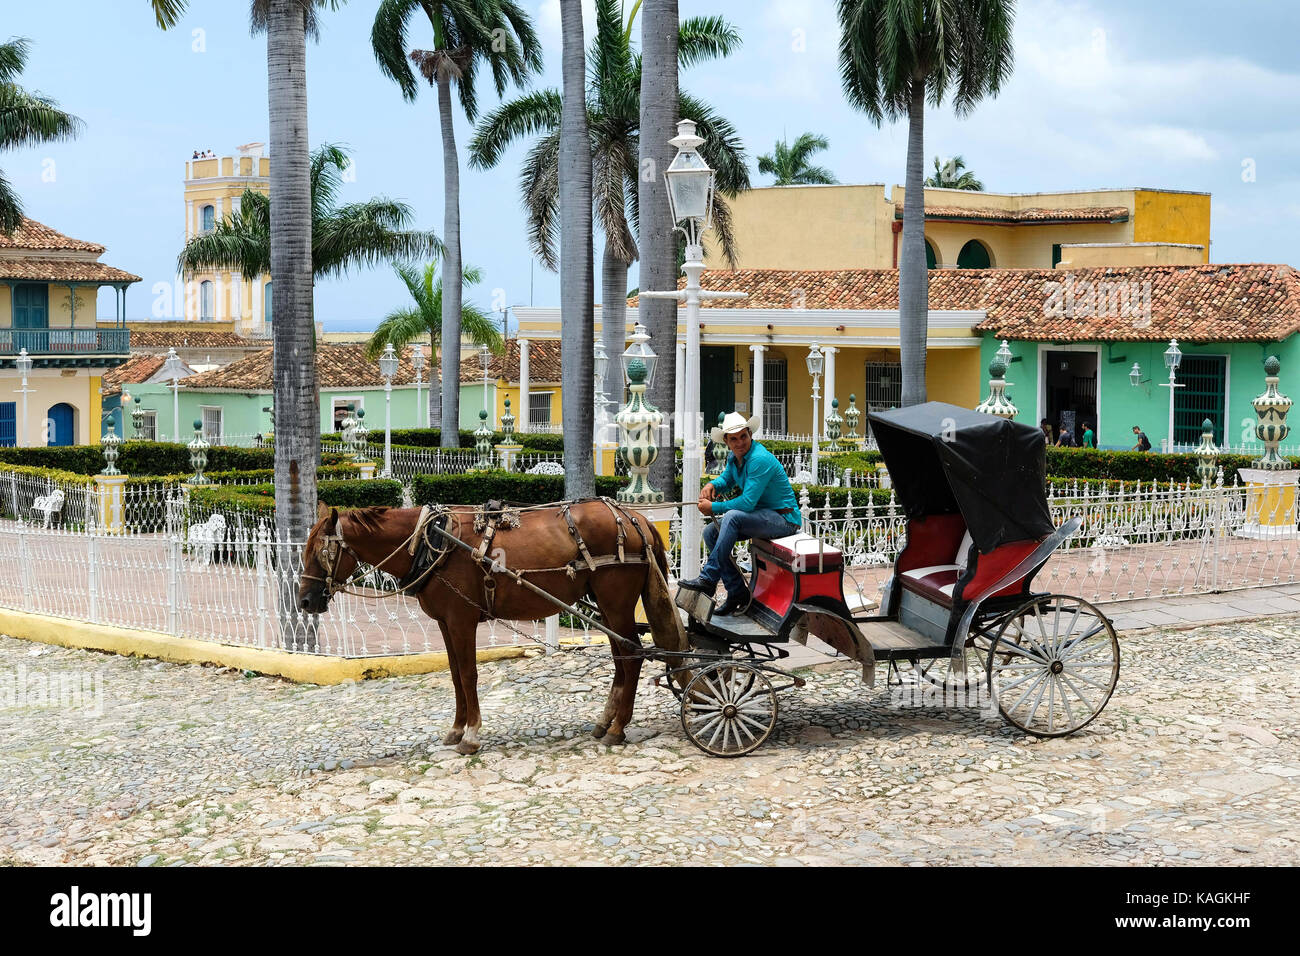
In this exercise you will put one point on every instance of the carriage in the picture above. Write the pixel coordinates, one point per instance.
(958, 614)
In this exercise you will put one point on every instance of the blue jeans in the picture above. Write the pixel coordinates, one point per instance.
(721, 535)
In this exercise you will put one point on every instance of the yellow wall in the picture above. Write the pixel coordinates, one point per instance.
(952, 375)
(1018, 247)
(1173, 217)
(199, 192)
(50, 386)
(1147, 254)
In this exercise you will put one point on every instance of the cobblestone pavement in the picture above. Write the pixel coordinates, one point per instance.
(1195, 760)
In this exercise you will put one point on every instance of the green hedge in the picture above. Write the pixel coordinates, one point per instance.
(1136, 465)
(480, 486)
(432, 437)
(338, 494)
(147, 458)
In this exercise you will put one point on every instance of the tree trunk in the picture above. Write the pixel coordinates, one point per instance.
(657, 240)
(577, 286)
(297, 399)
(913, 280)
(613, 326)
(451, 271)
(435, 385)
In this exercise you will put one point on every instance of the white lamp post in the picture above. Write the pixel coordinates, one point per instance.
(815, 364)
(690, 197)
(174, 369)
(388, 368)
(24, 365)
(1173, 358)
(485, 358)
(417, 362)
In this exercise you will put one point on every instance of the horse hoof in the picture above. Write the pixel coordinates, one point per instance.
(599, 731)
(615, 739)
(466, 748)
(453, 737)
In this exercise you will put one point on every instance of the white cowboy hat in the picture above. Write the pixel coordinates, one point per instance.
(733, 423)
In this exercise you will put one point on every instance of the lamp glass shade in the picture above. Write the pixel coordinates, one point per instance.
(417, 357)
(640, 349)
(388, 362)
(1004, 353)
(601, 361)
(23, 363)
(689, 178)
(1135, 375)
(1173, 356)
(816, 361)
(485, 356)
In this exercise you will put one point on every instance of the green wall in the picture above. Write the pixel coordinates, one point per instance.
(1121, 406)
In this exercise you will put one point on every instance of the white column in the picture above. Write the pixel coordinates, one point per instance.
(829, 351)
(692, 452)
(234, 205)
(237, 298)
(757, 407)
(189, 218)
(679, 392)
(257, 290)
(524, 410)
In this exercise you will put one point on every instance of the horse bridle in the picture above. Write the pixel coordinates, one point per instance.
(327, 556)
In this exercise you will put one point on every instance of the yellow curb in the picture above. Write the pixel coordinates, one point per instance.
(299, 667)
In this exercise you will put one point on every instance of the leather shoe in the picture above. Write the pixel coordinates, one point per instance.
(699, 584)
(736, 602)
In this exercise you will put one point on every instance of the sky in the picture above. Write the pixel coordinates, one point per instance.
(1189, 94)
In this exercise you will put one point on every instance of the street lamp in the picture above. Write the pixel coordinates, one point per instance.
(417, 362)
(485, 358)
(174, 369)
(24, 365)
(1173, 358)
(1004, 356)
(388, 368)
(689, 181)
(816, 362)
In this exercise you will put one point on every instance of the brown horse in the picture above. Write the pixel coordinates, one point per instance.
(547, 554)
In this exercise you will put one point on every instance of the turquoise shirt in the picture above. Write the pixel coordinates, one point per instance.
(763, 483)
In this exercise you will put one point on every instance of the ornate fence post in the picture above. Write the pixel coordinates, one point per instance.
(111, 486)
(260, 556)
(1271, 493)
(174, 585)
(25, 565)
(997, 403)
(92, 577)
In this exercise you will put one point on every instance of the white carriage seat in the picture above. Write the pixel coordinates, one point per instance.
(802, 549)
(942, 577)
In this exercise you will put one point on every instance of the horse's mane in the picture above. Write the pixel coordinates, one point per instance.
(370, 519)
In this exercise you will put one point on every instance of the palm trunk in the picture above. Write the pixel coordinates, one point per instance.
(577, 287)
(613, 324)
(435, 385)
(658, 242)
(451, 271)
(297, 400)
(913, 281)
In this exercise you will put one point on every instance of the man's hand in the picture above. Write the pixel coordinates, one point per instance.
(706, 507)
(709, 491)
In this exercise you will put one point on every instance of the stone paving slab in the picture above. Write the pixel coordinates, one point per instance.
(1194, 761)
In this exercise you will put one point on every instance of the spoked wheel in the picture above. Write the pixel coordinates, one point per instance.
(728, 709)
(937, 671)
(1054, 666)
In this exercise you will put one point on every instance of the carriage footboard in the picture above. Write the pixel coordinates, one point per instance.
(839, 633)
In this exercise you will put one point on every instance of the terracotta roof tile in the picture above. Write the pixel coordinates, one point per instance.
(137, 369)
(1035, 214)
(1228, 303)
(197, 339)
(35, 235)
(543, 363)
(62, 270)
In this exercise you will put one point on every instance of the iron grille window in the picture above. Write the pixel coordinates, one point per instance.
(539, 408)
(775, 385)
(149, 426)
(1204, 378)
(8, 425)
(212, 425)
(884, 386)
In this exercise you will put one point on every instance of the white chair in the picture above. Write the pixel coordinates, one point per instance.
(204, 538)
(49, 506)
(546, 468)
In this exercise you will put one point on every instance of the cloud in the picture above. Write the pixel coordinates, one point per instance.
(1176, 144)
(548, 25)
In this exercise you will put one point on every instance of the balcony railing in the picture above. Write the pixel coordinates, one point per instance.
(65, 342)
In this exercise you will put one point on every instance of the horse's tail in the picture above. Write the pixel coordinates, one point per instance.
(665, 626)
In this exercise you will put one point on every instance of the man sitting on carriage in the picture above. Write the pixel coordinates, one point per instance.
(766, 507)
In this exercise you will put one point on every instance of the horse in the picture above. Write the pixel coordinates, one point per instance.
(592, 547)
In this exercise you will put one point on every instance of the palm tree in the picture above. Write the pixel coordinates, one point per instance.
(25, 119)
(659, 106)
(287, 23)
(893, 55)
(466, 34)
(789, 163)
(949, 175)
(577, 289)
(614, 120)
(402, 326)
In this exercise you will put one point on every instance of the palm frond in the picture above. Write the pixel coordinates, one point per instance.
(233, 243)
(167, 13)
(366, 234)
(705, 38)
(29, 118)
(398, 328)
(11, 208)
(13, 58)
(388, 43)
(530, 114)
(539, 180)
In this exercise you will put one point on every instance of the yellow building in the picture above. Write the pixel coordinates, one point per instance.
(859, 227)
(49, 284)
(214, 186)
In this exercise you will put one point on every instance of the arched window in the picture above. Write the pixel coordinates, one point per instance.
(974, 255)
(266, 303)
(205, 300)
(931, 260)
(209, 216)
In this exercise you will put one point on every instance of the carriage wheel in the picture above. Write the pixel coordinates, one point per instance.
(937, 671)
(728, 709)
(1054, 666)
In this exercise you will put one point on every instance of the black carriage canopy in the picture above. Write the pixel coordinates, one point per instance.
(944, 459)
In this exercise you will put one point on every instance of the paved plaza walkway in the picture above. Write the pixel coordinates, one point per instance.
(1195, 761)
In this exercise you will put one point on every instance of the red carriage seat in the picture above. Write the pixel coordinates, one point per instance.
(800, 552)
(937, 581)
